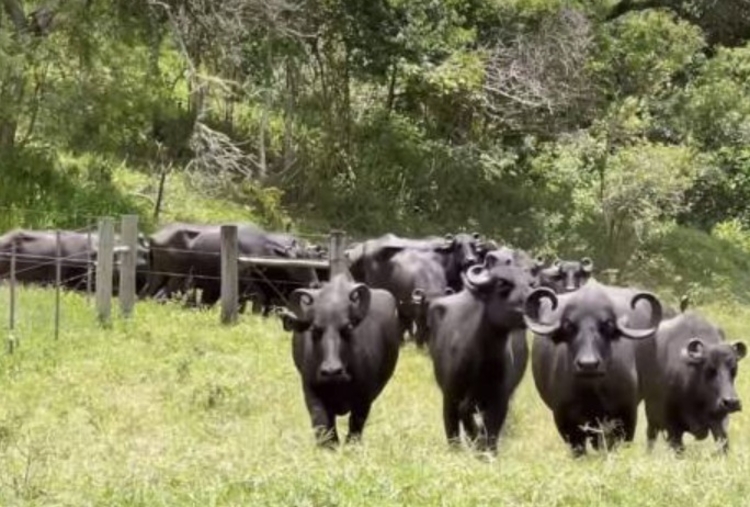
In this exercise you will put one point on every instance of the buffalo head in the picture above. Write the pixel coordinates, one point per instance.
(504, 283)
(713, 368)
(567, 276)
(588, 322)
(464, 247)
(328, 317)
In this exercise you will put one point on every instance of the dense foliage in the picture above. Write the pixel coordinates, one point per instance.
(616, 129)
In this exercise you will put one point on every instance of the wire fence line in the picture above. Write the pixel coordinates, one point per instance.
(100, 260)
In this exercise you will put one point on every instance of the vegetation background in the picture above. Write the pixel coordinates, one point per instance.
(616, 129)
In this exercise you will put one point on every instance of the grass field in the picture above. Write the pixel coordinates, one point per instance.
(173, 409)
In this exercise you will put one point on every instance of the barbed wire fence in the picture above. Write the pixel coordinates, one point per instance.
(103, 257)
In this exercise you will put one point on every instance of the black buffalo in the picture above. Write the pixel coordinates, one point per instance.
(687, 374)
(170, 259)
(184, 256)
(566, 276)
(36, 253)
(345, 347)
(583, 358)
(369, 260)
(478, 346)
(414, 277)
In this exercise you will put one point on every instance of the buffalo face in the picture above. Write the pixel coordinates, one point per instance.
(588, 323)
(713, 370)
(464, 248)
(504, 284)
(567, 276)
(329, 317)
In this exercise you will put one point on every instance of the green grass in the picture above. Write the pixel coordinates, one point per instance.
(173, 409)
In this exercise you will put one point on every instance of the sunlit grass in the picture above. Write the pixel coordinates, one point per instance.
(173, 409)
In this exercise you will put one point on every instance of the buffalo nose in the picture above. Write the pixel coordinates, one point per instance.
(588, 365)
(731, 404)
(331, 371)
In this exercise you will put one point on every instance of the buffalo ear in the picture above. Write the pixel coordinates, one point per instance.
(417, 296)
(359, 297)
(740, 349)
(694, 351)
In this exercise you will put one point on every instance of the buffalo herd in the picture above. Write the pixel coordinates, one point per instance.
(597, 350)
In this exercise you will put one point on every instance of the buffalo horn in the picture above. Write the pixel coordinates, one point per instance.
(478, 276)
(656, 315)
(531, 311)
(587, 265)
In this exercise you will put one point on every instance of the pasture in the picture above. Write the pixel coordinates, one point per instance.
(172, 409)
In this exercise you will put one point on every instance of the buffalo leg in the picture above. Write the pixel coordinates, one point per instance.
(719, 432)
(494, 418)
(466, 411)
(357, 421)
(323, 421)
(674, 437)
(405, 325)
(572, 434)
(450, 421)
(651, 434)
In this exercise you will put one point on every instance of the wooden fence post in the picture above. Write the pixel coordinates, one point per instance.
(89, 263)
(336, 254)
(129, 236)
(58, 281)
(229, 274)
(104, 265)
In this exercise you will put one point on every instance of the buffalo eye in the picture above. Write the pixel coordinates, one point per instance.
(568, 327)
(346, 332)
(317, 333)
(608, 328)
(711, 372)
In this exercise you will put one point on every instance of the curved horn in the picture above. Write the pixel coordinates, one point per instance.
(656, 316)
(587, 265)
(531, 311)
(359, 297)
(478, 276)
(300, 302)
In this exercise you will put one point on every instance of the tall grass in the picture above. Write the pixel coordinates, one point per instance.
(173, 409)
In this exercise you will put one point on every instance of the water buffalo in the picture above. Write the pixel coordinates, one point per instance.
(567, 276)
(478, 346)
(584, 370)
(687, 374)
(170, 258)
(414, 277)
(369, 260)
(345, 348)
(268, 285)
(36, 253)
